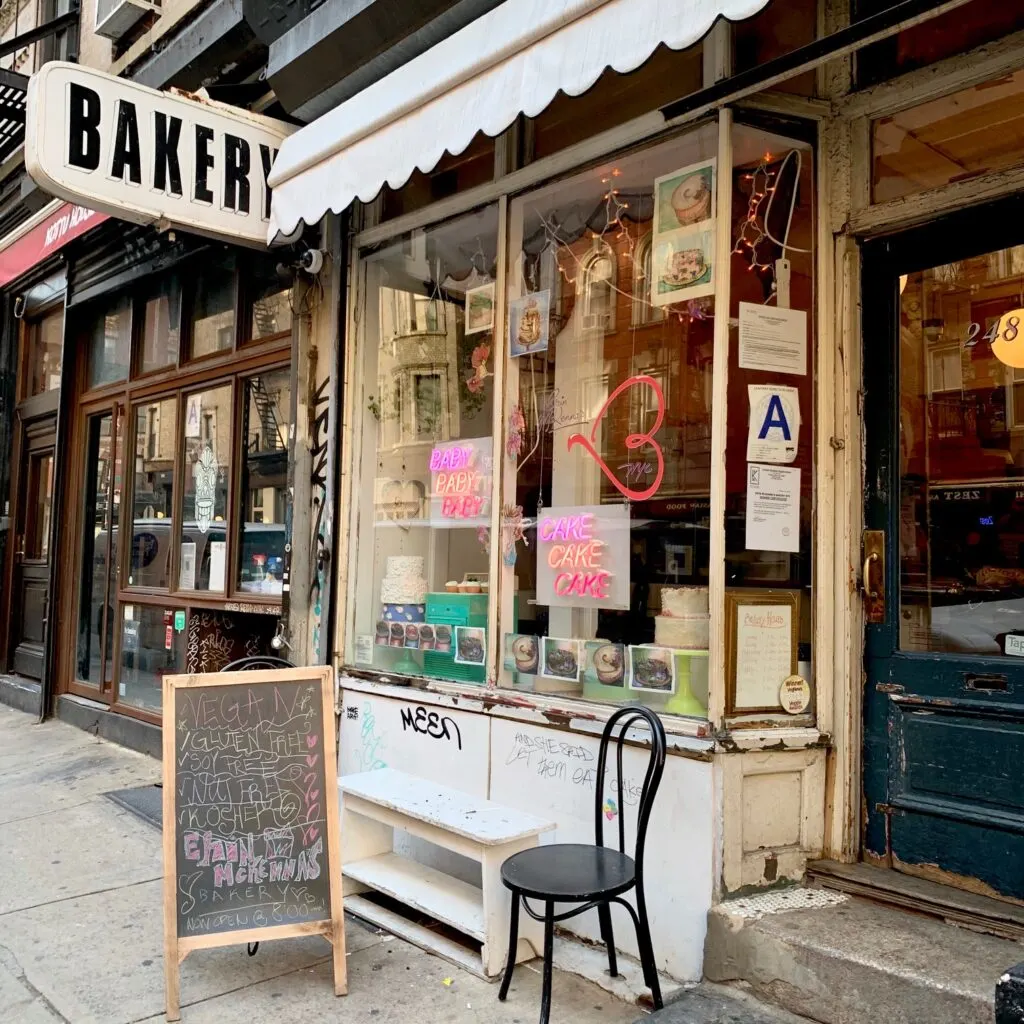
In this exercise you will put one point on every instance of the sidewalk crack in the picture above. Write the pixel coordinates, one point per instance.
(11, 964)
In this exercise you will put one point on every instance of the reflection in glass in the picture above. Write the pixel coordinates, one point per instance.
(207, 443)
(45, 341)
(428, 392)
(161, 326)
(96, 546)
(213, 311)
(152, 506)
(271, 301)
(961, 522)
(110, 343)
(152, 646)
(267, 406)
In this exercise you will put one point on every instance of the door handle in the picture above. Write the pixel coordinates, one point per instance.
(869, 560)
(873, 578)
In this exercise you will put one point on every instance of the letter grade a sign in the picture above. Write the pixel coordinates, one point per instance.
(150, 157)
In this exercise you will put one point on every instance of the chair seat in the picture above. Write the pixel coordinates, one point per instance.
(568, 872)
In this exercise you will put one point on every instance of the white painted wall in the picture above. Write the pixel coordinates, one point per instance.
(551, 772)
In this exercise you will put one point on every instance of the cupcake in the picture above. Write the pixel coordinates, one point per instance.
(609, 663)
(397, 634)
(426, 638)
(452, 586)
(412, 635)
(383, 637)
(691, 200)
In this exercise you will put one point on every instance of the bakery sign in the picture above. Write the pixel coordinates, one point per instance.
(583, 556)
(150, 157)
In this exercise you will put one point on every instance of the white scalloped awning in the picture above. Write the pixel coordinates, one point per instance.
(512, 60)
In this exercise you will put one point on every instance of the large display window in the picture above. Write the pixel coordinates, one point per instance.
(181, 439)
(538, 478)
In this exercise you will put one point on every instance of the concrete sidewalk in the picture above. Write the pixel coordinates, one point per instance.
(81, 930)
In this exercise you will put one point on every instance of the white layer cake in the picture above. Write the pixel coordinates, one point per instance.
(403, 581)
(685, 620)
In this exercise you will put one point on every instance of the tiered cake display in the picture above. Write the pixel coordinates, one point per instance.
(685, 619)
(403, 591)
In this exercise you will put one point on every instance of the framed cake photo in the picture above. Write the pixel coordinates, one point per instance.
(561, 659)
(685, 198)
(470, 645)
(682, 266)
(652, 669)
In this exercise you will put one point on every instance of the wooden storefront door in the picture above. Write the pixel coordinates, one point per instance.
(30, 597)
(944, 555)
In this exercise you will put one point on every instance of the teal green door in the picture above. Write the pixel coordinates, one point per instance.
(944, 420)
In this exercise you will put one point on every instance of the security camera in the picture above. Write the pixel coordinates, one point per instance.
(312, 261)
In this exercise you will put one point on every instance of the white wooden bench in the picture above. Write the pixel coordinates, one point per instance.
(375, 803)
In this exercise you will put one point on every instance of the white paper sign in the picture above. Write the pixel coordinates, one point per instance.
(583, 556)
(764, 653)
(364, 649)
(1014, 645)
(193, 414)
(187, 576)
(217, 552)
(773, 508)
(773, 339)
(774, 431)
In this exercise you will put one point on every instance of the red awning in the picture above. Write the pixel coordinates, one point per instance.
(47, 237)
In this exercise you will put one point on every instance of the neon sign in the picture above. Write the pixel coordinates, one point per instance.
(579, 559)
(633, 441)
(461, 481)
(584, 556)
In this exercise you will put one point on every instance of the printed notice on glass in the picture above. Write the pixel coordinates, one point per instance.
(773, 508)
(187, 575)
(364, 648)
(773, 434)
(773, 339)
(218, 549)
(764, 653)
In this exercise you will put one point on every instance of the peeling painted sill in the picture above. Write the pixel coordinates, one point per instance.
(686, 737)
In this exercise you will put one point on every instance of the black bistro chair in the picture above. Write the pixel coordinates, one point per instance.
(594, 876)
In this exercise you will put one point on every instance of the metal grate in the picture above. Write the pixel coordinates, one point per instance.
(13, 88)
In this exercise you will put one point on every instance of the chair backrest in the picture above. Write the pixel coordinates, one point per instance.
(257, 662)
(615, 732)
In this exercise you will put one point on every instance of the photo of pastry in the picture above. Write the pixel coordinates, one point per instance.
(470, 645)
(525, 652)
(682, 267)
(604, 663)
(561, 659)
(383, 634)
(443, 639)
(528, 320)
(412, 635)
(426, 637)
(652, 669)
(684, 198)
(397, 634)
(480, 309)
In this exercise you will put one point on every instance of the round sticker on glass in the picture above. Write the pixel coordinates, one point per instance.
(795, 695)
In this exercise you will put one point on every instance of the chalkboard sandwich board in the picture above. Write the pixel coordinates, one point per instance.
(250, 814)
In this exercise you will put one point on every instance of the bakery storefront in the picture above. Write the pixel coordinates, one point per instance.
(577, 465)
(172, 442)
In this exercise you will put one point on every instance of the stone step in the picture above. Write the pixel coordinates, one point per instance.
(719, 1004)
(842, 960)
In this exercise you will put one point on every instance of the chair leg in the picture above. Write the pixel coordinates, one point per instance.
(549, 955)
(647, 950)
(604, 913)
(513, 945)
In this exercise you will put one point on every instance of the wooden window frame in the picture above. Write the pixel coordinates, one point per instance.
(123, 399)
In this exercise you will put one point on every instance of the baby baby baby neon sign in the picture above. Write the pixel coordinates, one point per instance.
(461, 480)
